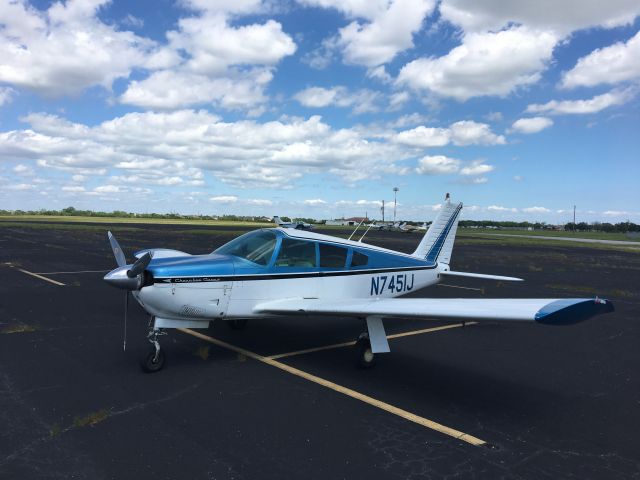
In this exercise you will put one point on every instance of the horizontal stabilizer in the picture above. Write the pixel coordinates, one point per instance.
(542, 310)
(450, 273)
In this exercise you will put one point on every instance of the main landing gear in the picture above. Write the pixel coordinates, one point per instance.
(154, 360)
(365, 358)
(371, 342)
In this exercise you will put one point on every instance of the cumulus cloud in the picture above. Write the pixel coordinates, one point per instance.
(580, 107)
(613, 64)
(531, 125)
(224, 199)
(314, 202)
(485, 64)
(362, 101)
(388, 28)
(500, 208)
(66, 48)
(22, 169)
(176, 148)
(437, 165)
(6, 95)
(169, 89)
(477, 167)
(468, 132)
(231, 72)
(536, 210)
(561, 17)
(462, 133)
(424, 137)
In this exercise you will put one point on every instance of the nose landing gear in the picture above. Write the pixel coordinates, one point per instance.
(154, 360)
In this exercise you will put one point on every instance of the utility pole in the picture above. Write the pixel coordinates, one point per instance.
(574, 218)
(395, 202)
(382, 210)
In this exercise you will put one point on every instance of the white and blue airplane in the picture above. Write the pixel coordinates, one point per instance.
(281, 271)
(293, 224)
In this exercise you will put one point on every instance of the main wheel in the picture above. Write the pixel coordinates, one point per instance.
(365, 357)
(151, 364)
(238, 324)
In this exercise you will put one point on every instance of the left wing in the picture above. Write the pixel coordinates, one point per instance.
(543, 310)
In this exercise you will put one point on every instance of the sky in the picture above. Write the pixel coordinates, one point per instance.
(319, 108)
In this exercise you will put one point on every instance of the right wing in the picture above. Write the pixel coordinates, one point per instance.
(543, 310)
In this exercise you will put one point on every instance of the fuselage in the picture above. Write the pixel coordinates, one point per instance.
(273, 264)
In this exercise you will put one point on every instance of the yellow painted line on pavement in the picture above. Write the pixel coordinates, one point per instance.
(55, 282)
(425, 422)
(350, 344)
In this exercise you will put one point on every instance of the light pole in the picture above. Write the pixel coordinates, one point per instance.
(395, 202)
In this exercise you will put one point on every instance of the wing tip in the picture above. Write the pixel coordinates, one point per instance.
(572, 310)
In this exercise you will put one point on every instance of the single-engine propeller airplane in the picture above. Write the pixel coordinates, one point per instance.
(293, 224)
(282, 271)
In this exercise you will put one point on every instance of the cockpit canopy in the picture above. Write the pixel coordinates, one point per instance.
(256, 247)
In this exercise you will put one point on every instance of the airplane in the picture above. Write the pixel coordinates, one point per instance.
(297, 225)
(275, 272)
(408, 228)
(385, 226)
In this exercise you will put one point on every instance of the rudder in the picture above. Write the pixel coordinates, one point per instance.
(437, 243)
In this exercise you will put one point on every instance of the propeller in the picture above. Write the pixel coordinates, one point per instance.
(139, 265)
(127, 277)
(117, 251)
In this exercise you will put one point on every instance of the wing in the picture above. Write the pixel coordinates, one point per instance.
(543, 310)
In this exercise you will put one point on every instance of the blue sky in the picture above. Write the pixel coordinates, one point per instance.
(320, 107)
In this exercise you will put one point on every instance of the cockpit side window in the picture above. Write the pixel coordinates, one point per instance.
(256, 247)
(359, 259)
(296, 253)
(332, 256)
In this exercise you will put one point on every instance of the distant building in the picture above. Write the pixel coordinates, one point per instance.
(347, 222)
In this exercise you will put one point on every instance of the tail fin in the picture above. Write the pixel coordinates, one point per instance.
(437, 243)
(277, 220)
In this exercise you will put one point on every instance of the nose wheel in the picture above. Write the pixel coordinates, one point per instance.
(154, 360)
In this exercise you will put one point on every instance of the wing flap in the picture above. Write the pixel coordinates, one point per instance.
(542, 310)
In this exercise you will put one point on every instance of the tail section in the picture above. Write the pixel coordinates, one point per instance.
(437, 243)
(278, 220)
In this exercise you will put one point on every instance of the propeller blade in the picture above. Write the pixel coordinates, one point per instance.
(126, 310)
(139, 266)
(117, 251)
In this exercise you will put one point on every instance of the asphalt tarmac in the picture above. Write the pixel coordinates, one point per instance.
(548, 402)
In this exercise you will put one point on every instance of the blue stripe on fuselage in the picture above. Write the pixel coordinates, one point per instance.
(216, 265)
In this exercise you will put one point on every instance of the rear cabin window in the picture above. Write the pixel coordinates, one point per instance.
(296, 253)
(332, 256)
(359, 259)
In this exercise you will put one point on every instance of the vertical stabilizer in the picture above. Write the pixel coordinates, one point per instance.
(437, 243)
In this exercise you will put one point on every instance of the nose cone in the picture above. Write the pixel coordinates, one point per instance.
(118, 278)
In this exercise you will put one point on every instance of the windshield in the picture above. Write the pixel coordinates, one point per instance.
(256, 247)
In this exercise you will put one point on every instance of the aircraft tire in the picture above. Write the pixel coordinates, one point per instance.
(238, 324)
(365, 357)
(149, 365)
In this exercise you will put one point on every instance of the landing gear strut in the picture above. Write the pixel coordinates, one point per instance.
(365, 358)
(154, 360)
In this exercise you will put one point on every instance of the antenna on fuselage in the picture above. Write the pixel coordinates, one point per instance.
(365, 232)
(354, 232)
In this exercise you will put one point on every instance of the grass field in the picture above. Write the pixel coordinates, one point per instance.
(154, 221)
(551, 233)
